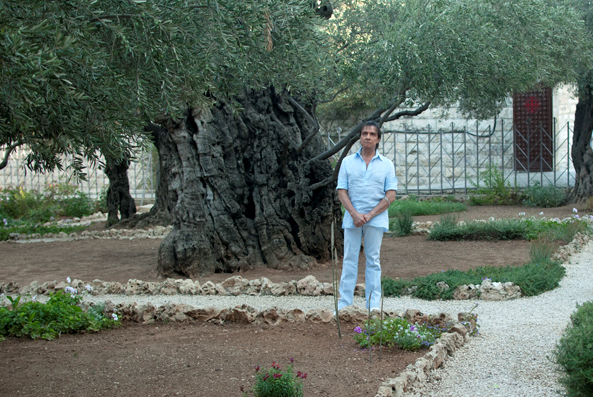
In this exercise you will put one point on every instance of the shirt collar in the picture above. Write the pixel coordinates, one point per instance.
(377, 155)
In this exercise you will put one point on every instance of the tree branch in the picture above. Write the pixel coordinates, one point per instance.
(415, 112)
(7, 153)
(310, 118)
(335, 95)
(336, 172)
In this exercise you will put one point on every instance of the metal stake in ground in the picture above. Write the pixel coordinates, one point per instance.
(335, 281)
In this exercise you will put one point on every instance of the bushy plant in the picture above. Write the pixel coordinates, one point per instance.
(403, 224)
(503, 229)
(397, 332)
(61, 314)
(574, 353)
(544, 196)
(276, 382)
(492, 188)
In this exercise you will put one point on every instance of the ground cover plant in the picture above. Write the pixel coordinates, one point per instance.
(448, 229)
(28, 211)
(415, 207)
(574, 353)
(397, 332)
(60, 315)
(544, 196)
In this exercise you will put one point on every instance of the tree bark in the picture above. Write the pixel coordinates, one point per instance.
(582, 155)
(119, 199)
(239, 191)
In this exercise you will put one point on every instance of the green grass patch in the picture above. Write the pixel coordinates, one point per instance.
(426, 207)
(60, 315)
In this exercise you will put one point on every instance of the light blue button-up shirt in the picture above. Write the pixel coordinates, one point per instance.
(367, 186)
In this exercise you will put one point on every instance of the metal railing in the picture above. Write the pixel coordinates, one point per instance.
(426, 162)
(455, 160)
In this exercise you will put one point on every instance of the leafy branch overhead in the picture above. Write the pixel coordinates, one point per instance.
(78, 76)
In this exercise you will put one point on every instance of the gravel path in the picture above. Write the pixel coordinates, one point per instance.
(509, 358)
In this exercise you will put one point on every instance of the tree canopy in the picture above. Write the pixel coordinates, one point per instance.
(80, 76)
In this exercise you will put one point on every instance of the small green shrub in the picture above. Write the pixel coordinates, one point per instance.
(47, 321)
(544, 196)
(542, 248)
(403, 225)
(503, 229)
(574, 353)
(277, 383)
(492, 188)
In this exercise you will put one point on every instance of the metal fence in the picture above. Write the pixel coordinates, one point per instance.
(457, 160)
(142, 176)
(426, 162)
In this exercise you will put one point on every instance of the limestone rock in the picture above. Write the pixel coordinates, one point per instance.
(353, 314)
(359, 290)
(208, 288)
(235, 285)
(206, 314)
(309, 286)
(244, 314)
(319, 316)
(187, 286)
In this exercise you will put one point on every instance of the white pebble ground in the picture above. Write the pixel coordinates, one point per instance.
(510, 358)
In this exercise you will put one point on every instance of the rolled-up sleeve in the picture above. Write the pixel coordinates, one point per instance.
(391, 179)
(343, 177)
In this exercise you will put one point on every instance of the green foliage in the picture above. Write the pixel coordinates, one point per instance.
(398, 332)
(32, 206)
(532, 278)
(83, 78)
(278, 383)
(413, 52)
(503, 229)
(426, 207)
(544, 196)
(28, 228)
(506, 229)
(48, 321)
(492, 188)
(575, 355)
(403, 225)
(542, 248)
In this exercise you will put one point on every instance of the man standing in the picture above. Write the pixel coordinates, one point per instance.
(366, 187)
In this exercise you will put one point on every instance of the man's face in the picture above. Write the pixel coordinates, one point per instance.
(369, 137)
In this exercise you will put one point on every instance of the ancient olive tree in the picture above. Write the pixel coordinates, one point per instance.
(82, 78)
(581, 153)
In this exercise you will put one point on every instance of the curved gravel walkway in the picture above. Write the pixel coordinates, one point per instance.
(511, 357)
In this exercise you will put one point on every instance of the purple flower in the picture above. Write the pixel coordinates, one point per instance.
(277, 376)
(291, 360)
(358, 330)
(412, 328)
(257, 368)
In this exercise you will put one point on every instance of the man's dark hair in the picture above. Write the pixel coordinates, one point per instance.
(377, 127)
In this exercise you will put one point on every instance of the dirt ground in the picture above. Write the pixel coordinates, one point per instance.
(212, 360)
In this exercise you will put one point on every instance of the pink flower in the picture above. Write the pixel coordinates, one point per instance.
(277, 376)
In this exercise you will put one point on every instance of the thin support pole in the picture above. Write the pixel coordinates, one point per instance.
(335, 280)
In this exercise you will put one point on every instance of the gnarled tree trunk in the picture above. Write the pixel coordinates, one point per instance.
(582, 155)
(238, 188)
(118, 194)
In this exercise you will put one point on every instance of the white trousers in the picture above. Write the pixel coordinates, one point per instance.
(373, 236)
